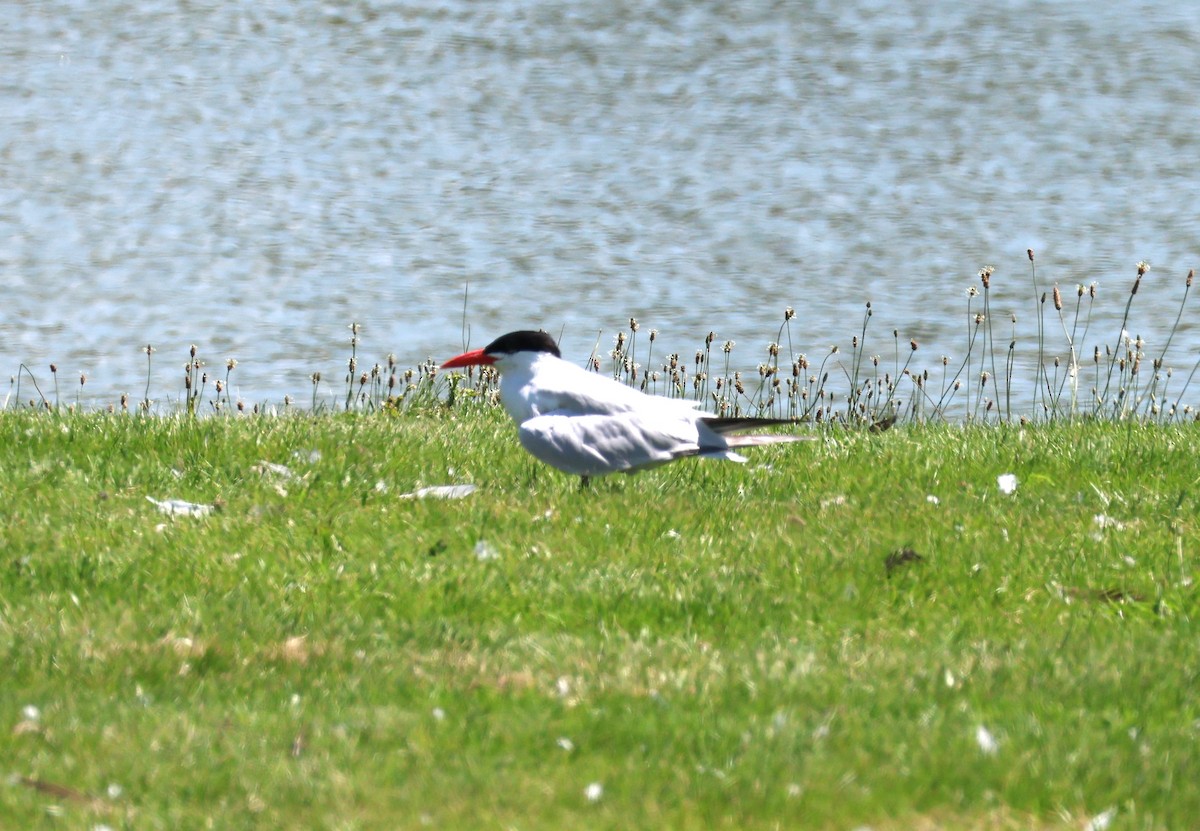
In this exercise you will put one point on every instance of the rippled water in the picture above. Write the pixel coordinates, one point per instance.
(253, 177)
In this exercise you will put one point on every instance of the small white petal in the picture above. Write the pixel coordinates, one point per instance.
(932, 500)
(440, 492)
(1007, 483)
(593, 792)
(986, 741)
(565, 743)
(178, 507)
(485, 552)
(31, 713)
(439, 714)
(1101, 821)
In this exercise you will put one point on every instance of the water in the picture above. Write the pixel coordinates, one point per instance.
(252, 178)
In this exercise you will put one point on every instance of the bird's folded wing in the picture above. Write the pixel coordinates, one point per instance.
(593, 445)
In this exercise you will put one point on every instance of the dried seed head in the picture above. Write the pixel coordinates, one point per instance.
(193, 350)
(1143, 267)
(728, 347)
(1057, 299)
(1191, 274)
(712, 336)
(979, 318)
(1092, 290)
(82, 379)
(220, 386)
(913, 344)
(633, 324)
(1079, 290)
(1029, 251)
(354, 327)
(653, 335)
(231, 364)
(315, 378)
(149, 350)
(53, 368)
(789, 313)
(972, 291)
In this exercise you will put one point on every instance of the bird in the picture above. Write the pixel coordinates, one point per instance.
(588, 425)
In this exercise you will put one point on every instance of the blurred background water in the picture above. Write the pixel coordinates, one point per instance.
(252, 177)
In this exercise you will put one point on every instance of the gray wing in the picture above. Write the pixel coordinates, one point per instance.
(593, 445)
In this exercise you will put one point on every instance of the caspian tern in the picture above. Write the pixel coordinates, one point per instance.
(588, 425)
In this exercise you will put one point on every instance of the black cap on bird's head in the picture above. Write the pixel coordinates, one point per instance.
(525, 340)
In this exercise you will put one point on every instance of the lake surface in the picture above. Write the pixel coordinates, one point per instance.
(252, 178)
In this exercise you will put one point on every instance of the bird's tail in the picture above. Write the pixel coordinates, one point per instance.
(722, 426)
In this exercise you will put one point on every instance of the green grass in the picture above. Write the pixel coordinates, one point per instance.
(717, 646)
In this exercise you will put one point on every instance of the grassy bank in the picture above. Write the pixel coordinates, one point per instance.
(862, 630)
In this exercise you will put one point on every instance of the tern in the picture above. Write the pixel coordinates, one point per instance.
(588, 425)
